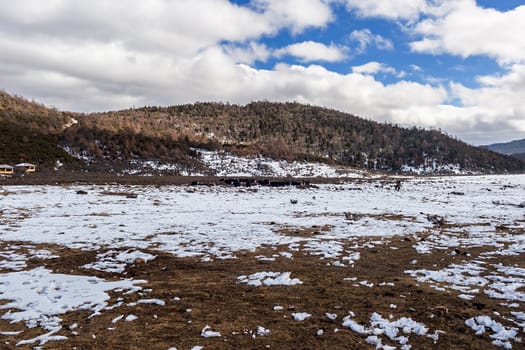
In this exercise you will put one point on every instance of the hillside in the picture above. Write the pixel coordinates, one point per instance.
(175, 139)
(515, 148)
(287, 131)
(30, 132)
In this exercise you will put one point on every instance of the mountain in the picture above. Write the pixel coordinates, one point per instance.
(173, 139)
(515, 148)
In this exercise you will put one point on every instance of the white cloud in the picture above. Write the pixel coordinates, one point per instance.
(499, 98)
(365, 38)
(178, 27)
(391, 9)
(297, 14)
(467, 29)
(492, 113)
(309, 51)
(248, 53)
(373, 68)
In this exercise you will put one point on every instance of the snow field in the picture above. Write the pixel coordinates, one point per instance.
(217, 222)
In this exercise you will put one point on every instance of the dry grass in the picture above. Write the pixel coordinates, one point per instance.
(214, 296)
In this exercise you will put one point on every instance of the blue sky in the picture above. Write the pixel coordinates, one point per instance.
(444, 66)
(456, 65)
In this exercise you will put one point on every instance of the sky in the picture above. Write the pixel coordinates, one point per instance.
(453, 65)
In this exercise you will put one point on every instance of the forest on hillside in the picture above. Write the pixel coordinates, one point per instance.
(283, 131)
(30, 132)
(290, 131)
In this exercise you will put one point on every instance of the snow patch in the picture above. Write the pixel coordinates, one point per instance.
(227, 164)
(301, 316)
(501, 335)
(269, 279)
(393, 330)
(39, 296)
(262, 332)
(116, 262)
(208, 333)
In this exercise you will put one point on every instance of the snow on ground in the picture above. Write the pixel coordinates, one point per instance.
(12, 260)
(433, 167)
(217, 222)
(227, 164)
(40, 296)
(208, 333)
(397, 331)
(113, 261)
(220, 163)
(262, 332)
(501, 334)
(500, 282)
(14, 257)
(301, 316)
(151, 167)
(269, 279)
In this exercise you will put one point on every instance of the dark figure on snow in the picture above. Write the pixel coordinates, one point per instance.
(398, 185)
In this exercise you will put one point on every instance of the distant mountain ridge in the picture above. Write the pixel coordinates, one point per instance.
(515, 148)
(173, 136)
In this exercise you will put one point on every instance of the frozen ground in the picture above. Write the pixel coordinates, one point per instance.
(332, 223)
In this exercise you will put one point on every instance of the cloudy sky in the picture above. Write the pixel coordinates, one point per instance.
(457, 65)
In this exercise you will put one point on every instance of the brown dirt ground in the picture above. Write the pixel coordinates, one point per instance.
(212, 292)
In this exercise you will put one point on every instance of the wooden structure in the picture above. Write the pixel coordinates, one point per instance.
(26, 167)
(6, 169)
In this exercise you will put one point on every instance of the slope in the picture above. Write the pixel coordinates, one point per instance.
(287, 131)
(29, 132)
